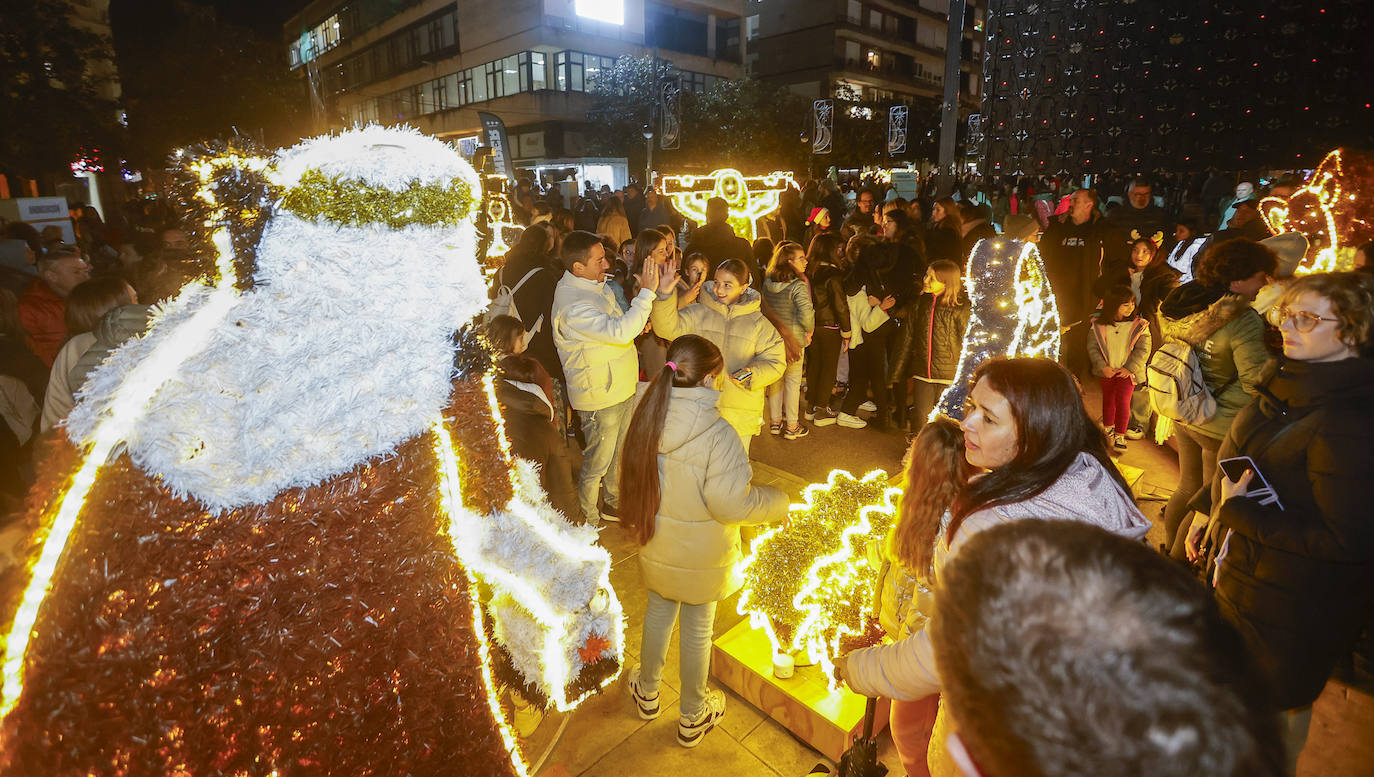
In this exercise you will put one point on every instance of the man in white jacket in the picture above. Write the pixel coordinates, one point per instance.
(596, 344)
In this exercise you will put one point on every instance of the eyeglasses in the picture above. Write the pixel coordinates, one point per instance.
(1302, 320)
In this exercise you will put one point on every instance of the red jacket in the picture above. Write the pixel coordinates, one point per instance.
(41, 312)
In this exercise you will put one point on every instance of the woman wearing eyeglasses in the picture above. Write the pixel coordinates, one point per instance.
(1297, 575)
(1213, 315)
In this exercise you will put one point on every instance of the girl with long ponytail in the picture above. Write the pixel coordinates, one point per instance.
(685, 491)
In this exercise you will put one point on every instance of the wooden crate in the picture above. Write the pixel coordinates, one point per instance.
(742, 659)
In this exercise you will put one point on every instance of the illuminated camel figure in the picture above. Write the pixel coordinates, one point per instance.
(1013, 313)
(748, 197)
(1333, 210)
(269, 529)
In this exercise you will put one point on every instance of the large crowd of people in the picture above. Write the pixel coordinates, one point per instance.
(661, 349)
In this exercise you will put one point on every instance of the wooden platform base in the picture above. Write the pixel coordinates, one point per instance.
(742, 659)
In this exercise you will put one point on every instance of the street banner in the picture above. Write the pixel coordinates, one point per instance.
(823, 119)
(494, 133)
(670, 108)
(896, 129)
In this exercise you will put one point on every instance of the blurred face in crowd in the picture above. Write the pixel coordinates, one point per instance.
(889, 228)
(596, 266)
(66, 274)
(695, 271)
(1125, 310)
(989, 428)
(1249, 287)
(932, 283)
(1141, 254)
(1080, 206)
(727, 288)
(1321, 342)
(798, 262)
(1140, 196)
(1182, 233)
(865, 202)
(937, 213)
(175, 240)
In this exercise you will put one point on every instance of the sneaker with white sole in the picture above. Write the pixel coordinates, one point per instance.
(647, 705)
(869, 406)
(775, 428)
(850, 421)
(1119, 442)
(796, 433)
(691, 730)
(1134, 433)
(823, 416)
(809, 414)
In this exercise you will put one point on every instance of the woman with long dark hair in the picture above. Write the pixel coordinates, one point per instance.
(944, 237)
(932, 342)
(1037, 454)
(825, 262)
(685, 491)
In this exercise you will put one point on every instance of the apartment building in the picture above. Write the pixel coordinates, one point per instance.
(874, 50)
(436, 63)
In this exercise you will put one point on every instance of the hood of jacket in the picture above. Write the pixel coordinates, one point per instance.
(1086, 492)
(122, 324)
(1194, 312)
(1302, 384)
(519, 397)
(692, 412)
(749, 302)
(777, 287)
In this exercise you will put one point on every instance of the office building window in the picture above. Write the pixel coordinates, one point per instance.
(576, 71)
(855, 12)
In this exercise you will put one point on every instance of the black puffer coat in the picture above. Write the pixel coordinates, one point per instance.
(828, 298)
(1300, 580)
(930, 340)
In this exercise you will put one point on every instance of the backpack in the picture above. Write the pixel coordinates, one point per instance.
(1177, 388)
(503, 304)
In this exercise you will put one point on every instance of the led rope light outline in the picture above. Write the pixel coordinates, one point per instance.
(732, 186)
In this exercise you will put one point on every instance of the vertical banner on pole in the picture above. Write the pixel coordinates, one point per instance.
(494, 132)
(669, 96)
(823, 119)
(896, 130)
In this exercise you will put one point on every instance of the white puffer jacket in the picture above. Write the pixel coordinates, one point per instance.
(705, 495)
(596, 341)
(745, 339)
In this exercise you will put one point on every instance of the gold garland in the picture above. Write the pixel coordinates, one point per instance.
(353, 203)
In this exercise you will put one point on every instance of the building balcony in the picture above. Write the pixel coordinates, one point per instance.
(890, 78)
(853, 29)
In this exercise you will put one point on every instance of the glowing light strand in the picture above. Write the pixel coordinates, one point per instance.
(1325, 198)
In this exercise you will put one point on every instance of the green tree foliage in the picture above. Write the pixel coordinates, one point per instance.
(50, 89)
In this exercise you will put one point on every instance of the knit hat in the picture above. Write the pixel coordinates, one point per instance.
(816, 214)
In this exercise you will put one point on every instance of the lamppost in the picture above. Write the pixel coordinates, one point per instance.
(648, 157)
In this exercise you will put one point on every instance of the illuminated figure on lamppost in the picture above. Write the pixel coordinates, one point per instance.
(748, 197)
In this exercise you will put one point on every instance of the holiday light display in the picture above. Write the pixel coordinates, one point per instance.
(749, 198)
(1329, 210)
(809, 585)
(254, 569)
(1014, 313)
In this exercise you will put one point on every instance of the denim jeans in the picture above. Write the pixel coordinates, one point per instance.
(694, 649)
(604, 430)
(784, 396)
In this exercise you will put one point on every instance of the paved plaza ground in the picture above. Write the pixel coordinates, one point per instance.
(605, 738)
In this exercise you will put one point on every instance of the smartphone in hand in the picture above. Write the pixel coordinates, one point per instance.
(1234, 468)
(742, 375)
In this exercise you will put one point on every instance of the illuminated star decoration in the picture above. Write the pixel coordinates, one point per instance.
(749, 198)
(1329, 210)
(810, 585)
(1014, 313)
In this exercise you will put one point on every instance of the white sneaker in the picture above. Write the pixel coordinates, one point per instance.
(851, 421)
(869, 406)
(647, 705)
(691, 730)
